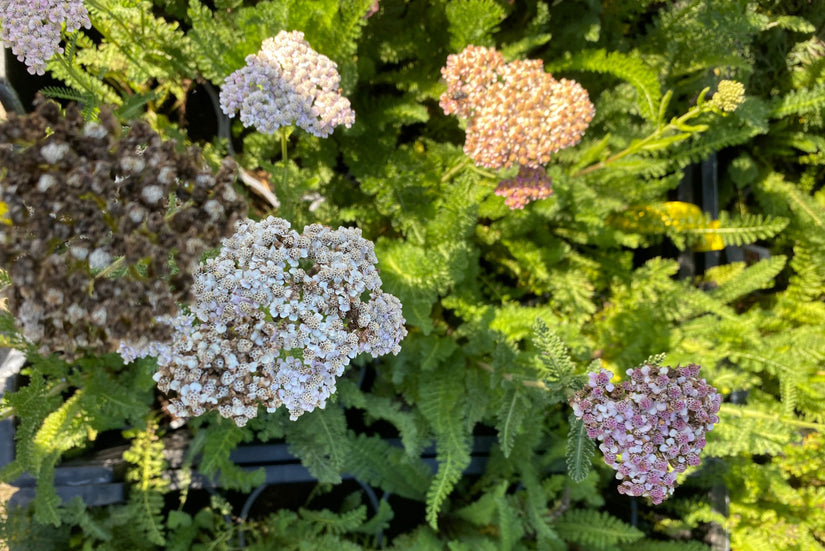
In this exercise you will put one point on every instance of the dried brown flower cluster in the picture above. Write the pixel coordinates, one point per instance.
(83, 203)
(517, 114)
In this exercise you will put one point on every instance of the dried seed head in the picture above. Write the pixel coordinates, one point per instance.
(65, 183)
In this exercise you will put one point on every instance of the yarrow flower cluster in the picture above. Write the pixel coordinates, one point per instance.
(531, 184)
(651, 427)
(286, 83)
(729, 95)
(517, 114)
(278, 316)
(32, 28)
(82, 202)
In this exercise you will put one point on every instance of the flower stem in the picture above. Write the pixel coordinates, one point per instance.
(638, 145)
(107, 271)
(283, 193)
(457, 168)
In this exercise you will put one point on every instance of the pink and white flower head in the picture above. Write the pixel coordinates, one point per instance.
(651, 426)
(287, 83)
(32, 28)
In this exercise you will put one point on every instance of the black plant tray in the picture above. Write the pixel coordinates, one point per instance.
(98, 479)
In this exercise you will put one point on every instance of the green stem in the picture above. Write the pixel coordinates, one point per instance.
(452, 172)
(283, 158)
(463, 164)
(485, 173)
(284, 193)
(171, 214)
(105, 272)
(638, 145)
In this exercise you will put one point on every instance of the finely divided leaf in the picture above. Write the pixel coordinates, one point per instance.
(442, 403)
(515, 405)
(594, 529)
(319, 438)
(624, 66)
(580, 449)
(453, 456)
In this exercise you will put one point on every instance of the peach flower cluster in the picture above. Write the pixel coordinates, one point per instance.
(517, 114)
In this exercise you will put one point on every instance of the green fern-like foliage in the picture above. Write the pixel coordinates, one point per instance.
(800, 102)
(629, 68)
(774, 503)
(315, 528)
(595, 530)
(554, 356)
(138, 50)
(515, 408)
(606, 282)
(146, 456)
(379, 407)
(652, 545)
(441, 405)
(51, 427)
(747, 279)
(374, 461)
(472, 22)
(219, 438)
(319, 439)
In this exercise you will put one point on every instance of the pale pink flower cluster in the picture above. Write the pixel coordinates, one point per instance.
(531, 184)
(651, 426)
(32, 28)
(287, 83)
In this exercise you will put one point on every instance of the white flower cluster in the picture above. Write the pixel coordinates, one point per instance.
(286, 83)
(32, 28)
(278, 317)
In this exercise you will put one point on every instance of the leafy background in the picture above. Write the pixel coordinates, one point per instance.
(604, 264)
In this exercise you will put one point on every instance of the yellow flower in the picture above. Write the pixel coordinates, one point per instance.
(729, 95)
(4, 214)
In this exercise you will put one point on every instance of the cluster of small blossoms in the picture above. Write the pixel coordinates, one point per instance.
(278, 316)
(531, 184)
(517, 114)
(32, 28)
(83, 202)
(729, 95)
(286, 83)
(651, 427)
